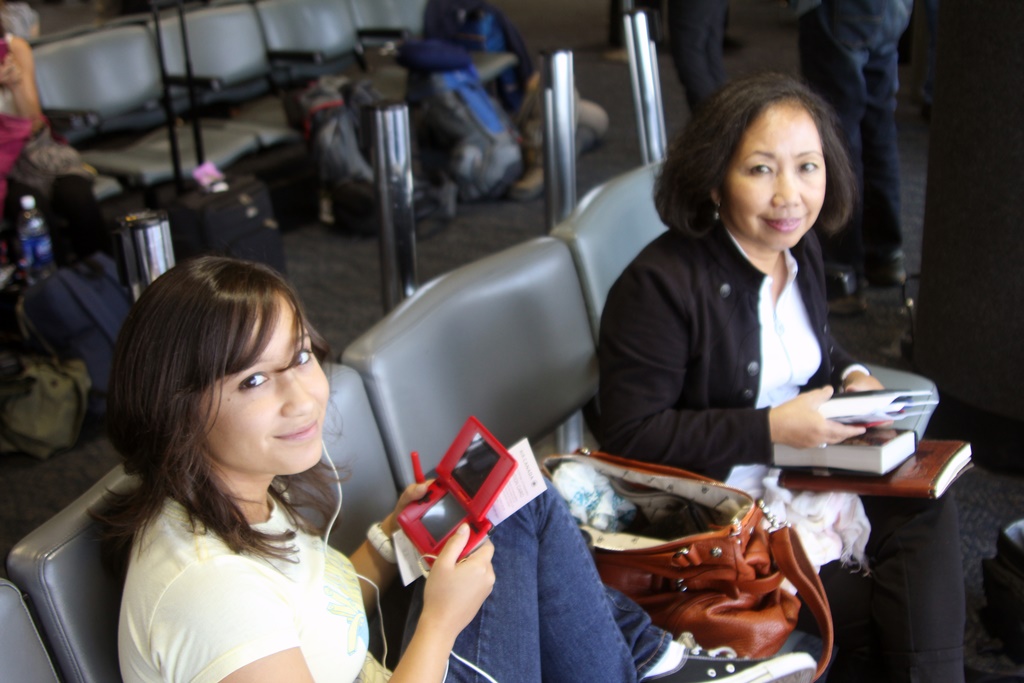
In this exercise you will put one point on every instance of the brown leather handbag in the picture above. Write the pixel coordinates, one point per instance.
(720, 576)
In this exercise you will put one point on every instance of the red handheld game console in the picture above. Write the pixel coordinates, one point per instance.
(470, 477)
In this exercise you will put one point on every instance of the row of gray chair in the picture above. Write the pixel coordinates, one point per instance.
(509, 338)
(103, 80)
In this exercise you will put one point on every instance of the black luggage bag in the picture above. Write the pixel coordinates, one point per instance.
(237, 220)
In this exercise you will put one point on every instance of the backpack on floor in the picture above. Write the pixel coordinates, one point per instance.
(331, 122)
(77, 312)
(481, 26)
(482, 32)
(460, 130)
(329, 114)
(43, 401)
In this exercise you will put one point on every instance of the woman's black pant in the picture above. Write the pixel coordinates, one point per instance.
(904, 619)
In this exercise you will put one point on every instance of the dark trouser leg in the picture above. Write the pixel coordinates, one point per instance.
(880, 154)
(696, 29)
(833, 70)
(905, 621)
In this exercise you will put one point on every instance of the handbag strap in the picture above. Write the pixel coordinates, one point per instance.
(792, 561)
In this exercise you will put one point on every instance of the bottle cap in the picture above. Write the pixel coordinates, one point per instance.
(28, 202)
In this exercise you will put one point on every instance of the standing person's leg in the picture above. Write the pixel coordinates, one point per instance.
(883, 240)
(832, 49)
(695, 30)
(714, 46)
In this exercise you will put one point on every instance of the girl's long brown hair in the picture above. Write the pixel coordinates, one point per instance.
(202, 320)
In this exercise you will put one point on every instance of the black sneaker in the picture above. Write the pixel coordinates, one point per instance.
(721, 665)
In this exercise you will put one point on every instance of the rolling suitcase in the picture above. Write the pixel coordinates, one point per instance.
(238, 219)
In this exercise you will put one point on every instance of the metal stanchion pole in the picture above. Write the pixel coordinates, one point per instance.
(560, 180)
(643, 72)
(142, 242)
(391, 156)
(559, 137)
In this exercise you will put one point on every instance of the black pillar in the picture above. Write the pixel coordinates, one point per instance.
(970, 326)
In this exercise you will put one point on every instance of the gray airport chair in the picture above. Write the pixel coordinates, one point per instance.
(146, 161)
(607, 229)
(59, 565)
(306, 39)
(108, 80)
(100, 81)
(505, 338)
(395, 20)
(355, 447)
(105, 187)
(23, 656)
(390, 15)
(616, 220)
(231, 68)
(75, 601)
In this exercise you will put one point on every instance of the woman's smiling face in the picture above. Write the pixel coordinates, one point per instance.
(775, 183)
(270, 416)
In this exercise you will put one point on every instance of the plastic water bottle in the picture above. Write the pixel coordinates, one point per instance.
(34, 235)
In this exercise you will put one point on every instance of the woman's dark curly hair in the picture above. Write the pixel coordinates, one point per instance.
(204, 319)
(699, 157)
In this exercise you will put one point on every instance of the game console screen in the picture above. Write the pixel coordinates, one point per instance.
(475, 465)
(443, 516)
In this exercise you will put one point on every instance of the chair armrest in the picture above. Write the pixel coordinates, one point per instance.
(377, 36)
(311, 57)
(72, 119)
(205, 82)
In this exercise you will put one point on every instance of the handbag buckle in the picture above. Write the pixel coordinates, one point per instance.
(773, 522)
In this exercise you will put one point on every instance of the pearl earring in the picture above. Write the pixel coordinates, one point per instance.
(715, 215)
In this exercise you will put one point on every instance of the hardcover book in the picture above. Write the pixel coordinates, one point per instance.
(927, 474)
(876, 451)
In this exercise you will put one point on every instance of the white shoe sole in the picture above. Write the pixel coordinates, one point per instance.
(797, 667)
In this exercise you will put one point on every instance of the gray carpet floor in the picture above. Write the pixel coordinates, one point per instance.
(339, 275)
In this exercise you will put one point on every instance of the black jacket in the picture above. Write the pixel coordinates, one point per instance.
(680, 353)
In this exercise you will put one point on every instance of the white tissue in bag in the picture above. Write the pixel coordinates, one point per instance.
(591, 498)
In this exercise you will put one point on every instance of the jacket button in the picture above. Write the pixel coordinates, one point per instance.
(753, 368)
(725, 290)
(748, 394)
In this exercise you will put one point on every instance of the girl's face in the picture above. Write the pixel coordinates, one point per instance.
(775, 184)
(271, 415)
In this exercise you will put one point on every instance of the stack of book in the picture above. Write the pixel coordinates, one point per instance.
(926, 473)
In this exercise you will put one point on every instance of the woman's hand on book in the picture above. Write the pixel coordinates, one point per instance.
(798, 423)
(861, 381)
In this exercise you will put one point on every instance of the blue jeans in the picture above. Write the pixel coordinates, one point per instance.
(848, 54)
(549, 617)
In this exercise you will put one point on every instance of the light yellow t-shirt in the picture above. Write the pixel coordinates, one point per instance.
(195, 611)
